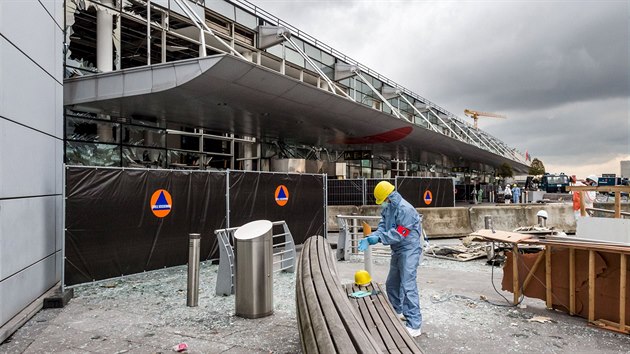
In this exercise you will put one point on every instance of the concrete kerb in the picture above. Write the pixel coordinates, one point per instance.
(461, 221)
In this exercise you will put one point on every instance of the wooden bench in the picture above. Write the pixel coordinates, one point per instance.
(330, 321)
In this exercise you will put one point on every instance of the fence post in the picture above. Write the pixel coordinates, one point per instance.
(364, 191)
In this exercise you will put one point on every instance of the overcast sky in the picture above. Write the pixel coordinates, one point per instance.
(559, 70)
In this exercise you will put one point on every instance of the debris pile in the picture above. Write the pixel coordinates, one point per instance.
(468, 250)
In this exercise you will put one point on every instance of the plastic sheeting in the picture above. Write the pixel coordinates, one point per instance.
(427, 192)
(111, 229)
(255, 196)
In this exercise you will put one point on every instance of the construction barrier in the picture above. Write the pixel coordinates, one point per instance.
(461, 221)
(122, 221)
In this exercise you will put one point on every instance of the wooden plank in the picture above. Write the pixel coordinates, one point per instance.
(591, 286)
(617, 205)
(323, 340)
(324, 303)
(548, 298)
(530, 275)
(600, 188)
(307, 336)
(517, 293)
(366, 307)
(382, 333)
(572, 281)
(610, 325)
(501, 236)
(388, 315)
(623, 266)
(582, 204)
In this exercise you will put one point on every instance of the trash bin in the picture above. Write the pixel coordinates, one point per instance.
(253, 283)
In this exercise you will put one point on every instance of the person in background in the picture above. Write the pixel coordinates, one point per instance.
(589, 197)
(400, 227)
(507, 194)
(516, 194)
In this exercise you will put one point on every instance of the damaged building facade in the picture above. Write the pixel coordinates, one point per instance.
(294, 105)
(183, 84)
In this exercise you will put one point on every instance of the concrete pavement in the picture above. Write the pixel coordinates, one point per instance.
(147, 313)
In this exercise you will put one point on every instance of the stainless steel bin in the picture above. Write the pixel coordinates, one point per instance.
(253, 283)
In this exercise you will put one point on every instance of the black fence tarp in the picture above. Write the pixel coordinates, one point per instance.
(427, 192)
(111, 229)
(297, 199)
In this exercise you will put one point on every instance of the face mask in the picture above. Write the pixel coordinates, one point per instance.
(384, 205)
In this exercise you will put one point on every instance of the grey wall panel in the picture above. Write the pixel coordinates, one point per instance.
(28, 160)
(27, 232)
(59, 217)
(22, 22)
(21, 289)
(59, 167)
(28, 93)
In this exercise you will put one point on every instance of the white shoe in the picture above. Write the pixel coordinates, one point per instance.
(400, 316)
(414, 332)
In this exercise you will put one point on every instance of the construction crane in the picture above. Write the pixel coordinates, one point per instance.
(476, 114)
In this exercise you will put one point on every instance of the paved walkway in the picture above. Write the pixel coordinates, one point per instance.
(147, 313)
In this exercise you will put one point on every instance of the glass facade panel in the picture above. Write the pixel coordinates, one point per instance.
(137, 8)
(221, 7)
(276, 50)
(141, 136)
(293, 57)
(92, 154)
(184, 159)
(313, 52)
(92, 130)
(143, 157)
(328, 59)
(246, 19)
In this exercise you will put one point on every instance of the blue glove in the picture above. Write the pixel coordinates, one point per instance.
(363, 244)
(370, 240)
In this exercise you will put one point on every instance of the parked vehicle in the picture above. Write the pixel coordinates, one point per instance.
(552, 183)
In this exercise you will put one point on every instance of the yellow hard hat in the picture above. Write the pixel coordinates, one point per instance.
(382, 190)
(362, 277)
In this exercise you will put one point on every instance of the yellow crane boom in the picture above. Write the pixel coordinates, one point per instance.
(476, 114)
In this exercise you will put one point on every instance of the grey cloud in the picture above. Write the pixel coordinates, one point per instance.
(558, 69)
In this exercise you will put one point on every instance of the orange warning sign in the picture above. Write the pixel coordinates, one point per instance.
(427, 197)
(161, 203)
(281, 195)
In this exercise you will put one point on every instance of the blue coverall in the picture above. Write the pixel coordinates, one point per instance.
(516, 195)
(400, 228)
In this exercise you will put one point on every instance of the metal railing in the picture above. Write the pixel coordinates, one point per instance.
(495, 145)
(285, 251)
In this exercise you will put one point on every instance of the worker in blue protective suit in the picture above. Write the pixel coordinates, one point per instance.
(400, 228)
(516, 194)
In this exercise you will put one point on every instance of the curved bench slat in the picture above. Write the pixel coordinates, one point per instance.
(307, 334)
(321, 334)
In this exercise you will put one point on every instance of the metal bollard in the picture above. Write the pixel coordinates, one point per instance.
(193, 269)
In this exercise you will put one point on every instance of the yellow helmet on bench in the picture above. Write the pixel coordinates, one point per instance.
(362, 278)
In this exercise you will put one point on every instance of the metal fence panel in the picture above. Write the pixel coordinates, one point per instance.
(345, 192)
